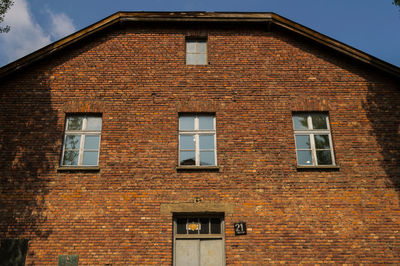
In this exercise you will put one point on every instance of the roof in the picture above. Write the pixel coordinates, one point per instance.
(267, 18)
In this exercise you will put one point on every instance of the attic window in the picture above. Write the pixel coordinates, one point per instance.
(196, 51)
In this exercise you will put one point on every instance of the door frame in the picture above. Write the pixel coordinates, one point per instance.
(198, 236)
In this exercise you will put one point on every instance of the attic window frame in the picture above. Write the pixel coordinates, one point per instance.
(197, 53)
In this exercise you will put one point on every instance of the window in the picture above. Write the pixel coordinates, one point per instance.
(81, 140)
(196, 52)
(313, 139)
(197, 140)
(199, 240)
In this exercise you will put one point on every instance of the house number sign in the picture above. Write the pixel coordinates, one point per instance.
(240, 228)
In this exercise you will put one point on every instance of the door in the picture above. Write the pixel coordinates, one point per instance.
(199, 241)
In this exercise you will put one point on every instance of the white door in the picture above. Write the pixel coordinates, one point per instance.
(199, 252)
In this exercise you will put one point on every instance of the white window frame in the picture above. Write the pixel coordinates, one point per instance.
(197, 132)
(311, 132)
(197, 53)
(83, 133)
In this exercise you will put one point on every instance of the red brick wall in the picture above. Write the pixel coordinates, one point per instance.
(137, 79)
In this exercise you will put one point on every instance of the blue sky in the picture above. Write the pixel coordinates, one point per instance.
(369, 25)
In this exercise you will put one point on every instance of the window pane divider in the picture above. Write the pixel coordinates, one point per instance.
(311, 132)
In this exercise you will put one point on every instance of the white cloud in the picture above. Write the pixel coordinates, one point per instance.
(61, 25)
(26, 35)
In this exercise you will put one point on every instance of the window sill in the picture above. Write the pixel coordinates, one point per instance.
(78, 169)
(197, 168)
(318, 167)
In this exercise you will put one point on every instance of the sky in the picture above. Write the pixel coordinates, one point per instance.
(372, 26)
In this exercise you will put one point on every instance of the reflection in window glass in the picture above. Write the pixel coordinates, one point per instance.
(300, 122)
(324, 157)
(187, 158)
(75, 123)
(71, 157)
(304, 158)
(313, 139)
(81, 141)
(321, 141)
(72, 142)
(319, 121)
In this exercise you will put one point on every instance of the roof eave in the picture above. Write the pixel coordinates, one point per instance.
(268, 18)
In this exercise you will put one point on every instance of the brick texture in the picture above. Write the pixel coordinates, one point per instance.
(136, 77)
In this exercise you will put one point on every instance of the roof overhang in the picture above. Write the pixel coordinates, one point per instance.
(214, 17)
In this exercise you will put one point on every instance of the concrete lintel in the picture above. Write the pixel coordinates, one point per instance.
(167, 208)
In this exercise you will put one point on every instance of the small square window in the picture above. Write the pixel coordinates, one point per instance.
(81, 140)
(196, 52)
(197, 140)
(313, 139)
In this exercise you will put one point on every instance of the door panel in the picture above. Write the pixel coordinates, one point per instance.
(187, 252)
(211, 252)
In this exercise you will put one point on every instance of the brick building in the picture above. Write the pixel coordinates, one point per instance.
(199, 139)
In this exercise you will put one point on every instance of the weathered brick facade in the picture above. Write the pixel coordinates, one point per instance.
(135, 76)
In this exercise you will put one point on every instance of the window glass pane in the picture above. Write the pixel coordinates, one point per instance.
(300, 122)
(304, 158)
(193, 226)
(303, 142)
(191, 59)
(201, 59)
(181, 226)
(93, 123)
(206, 142)
(90, 158)
(206, 122)
(202, 47)
(324, 157)
(71, 158)
(72, 142)
(92, 142)
(187, 158)
(319, 121)
(186, 142)
(75, 123)
(190, 47)
(207, 158)
(321, 141)
(215, 226)
(186, 123)
(204, 226)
